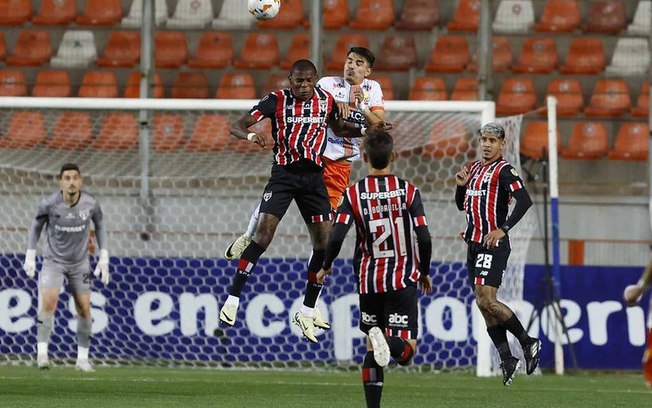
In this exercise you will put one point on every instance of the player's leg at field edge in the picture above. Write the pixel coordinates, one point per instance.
(45, 322)
(84, 323)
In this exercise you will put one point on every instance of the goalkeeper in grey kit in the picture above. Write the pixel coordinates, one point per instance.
(66, 216)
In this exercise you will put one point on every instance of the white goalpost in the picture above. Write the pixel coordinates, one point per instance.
(176, 188)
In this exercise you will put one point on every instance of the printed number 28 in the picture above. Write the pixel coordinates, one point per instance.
(484, 261)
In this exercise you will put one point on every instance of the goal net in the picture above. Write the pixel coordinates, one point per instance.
(175, 189)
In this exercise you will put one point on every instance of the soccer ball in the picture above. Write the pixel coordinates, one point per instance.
(264, 9)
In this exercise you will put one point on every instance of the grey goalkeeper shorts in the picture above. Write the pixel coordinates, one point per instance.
(78, 275)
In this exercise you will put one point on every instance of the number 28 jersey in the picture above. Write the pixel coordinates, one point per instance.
(385, 210)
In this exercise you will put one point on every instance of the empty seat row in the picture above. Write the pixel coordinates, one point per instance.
(118, 131)
(610, 98)
(589, 140)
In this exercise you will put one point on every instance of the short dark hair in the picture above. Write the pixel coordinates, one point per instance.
(379, 147)
(364, 53)
(303, 65)
(494, 128)
(67, 167)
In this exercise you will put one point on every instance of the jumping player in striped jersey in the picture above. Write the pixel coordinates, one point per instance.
(392, 254)
(484, 190)
(299, 117)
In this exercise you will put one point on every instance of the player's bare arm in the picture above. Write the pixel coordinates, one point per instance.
(345, 129)
(633, 293)
(240, 129)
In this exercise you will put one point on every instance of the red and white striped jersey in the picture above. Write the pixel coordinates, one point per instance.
(385, 210)
(298, 127)
(345, 147)
(487, 197)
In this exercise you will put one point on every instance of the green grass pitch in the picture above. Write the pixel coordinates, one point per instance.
(22, 386)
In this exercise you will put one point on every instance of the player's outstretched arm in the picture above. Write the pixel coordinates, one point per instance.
(240, 129)
(633, 293)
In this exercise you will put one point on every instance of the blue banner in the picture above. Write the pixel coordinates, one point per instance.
(158, 308)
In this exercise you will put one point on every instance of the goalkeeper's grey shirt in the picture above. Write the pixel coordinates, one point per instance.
(67, 227)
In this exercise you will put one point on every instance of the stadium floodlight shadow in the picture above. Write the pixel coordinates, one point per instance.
(547, 295)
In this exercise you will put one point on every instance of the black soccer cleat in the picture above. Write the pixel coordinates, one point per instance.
(531, 354)
(510, 367)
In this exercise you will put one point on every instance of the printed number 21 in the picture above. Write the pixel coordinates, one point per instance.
(386, 231)
(484, 261)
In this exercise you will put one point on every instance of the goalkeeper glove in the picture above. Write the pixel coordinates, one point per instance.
(102, 268)
(30, 263)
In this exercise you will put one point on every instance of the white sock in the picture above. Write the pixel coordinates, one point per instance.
(82, 353)
(42, 348)
(253, 223)
(307, 311)
(232, 300)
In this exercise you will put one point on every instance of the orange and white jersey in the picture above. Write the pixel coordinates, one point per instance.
(349, 148)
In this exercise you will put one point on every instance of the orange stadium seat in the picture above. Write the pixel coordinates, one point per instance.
(559, 16)
(642, 108)
(3, 47)
(215, 50)
(122, 50)
(465, 89)
(168, 132)
(170, 48)
(467, 16)
(289, 17)
(73, 131)
(535, 140)
(606, 16)
(15, 12)
(397, 53)
(568, 92)
(12, 83)
(451, 54)
(610, 98)
(342, 47)
(56, 12)
(299, 49)
(192, 85)
(132, 90)
(99, 84)
(585, 56)
(119, 131)
(33, 48)
(236, 86)
(448, 138)
(211, 134)
(260, 52)
(419, 15)
(52, 84)
(428, 89)
(26, 130)
(336, 14)
(501, 58)
(373, 15)
(538, 56)
(100, 13)
(588, 141)
(517, 95)
(632, 142)
(385, 85)
(275, 82)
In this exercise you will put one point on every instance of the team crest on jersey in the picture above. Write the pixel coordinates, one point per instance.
(514, 172)
(323, 104)
(267, 195)
(83, 215)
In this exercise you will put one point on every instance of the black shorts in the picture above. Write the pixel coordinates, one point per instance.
(396, 313)
(486, 266)
(304, 184)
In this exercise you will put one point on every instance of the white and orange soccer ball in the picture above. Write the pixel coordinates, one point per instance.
(264, 9)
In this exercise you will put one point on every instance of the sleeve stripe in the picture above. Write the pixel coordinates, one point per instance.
(342, 219)
(420, 221)
(517, 185)
(256, 114)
